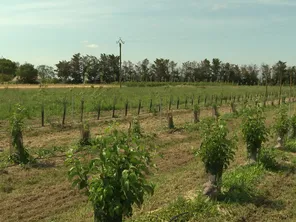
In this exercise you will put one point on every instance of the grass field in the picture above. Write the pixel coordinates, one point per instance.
(54, 98)
(42, 192)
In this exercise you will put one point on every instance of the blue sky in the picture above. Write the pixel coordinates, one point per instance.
(238, 31)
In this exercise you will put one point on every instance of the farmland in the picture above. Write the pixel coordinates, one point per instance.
(42, 191)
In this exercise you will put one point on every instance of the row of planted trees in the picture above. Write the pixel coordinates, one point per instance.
(116, 177)
(218, 149)
(66, 109)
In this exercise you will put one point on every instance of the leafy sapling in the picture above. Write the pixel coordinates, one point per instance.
(18, 152)
(281, 126)
(254, 131)
(116, 179)
(216, 152)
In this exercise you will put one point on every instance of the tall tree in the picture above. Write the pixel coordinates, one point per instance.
(77, 69)
(160, 69)
(45, 72)
(266, 76)
(225, 72)
(173, 71)
(280, 75)
(27, 73)
(7, 67)
(216, 70)
(64, 71)
(109, 68)
(205, 67)
(129, 73)
(144, 69)
(91, 67)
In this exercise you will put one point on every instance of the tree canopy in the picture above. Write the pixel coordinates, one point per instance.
(106, 69)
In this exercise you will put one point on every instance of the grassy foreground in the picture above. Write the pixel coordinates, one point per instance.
(42, 192)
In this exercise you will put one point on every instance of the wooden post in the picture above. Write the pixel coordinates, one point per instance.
(139, 107)
(126, 108)
(99, 111)
(64, 113)
(42, 115)
(150, 106)
(82, 110)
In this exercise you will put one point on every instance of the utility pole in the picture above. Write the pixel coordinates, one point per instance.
(120, 42)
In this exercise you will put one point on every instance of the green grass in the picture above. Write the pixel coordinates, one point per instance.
(53, 98)
(250, 193)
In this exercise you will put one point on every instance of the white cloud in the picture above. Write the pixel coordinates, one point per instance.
(92, 46)
(217, 7)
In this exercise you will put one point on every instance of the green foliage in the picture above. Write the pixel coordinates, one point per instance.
(281, 125)
(293, 126)
(239, 184)
(85, 135)
(116, 179)
(198, 209)
(291, 146)
(27, 73)
(267, 158)
(196, 108)
(19, 153)
(136, 128)
(254, 130)
(216, 150)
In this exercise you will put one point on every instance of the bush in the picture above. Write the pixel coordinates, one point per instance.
(282, 124)
(85, 135)
(293, 126)
(267, 158)
(239, 184)
(216, 150)
(116, 179)
(19, 154)
(254, 130)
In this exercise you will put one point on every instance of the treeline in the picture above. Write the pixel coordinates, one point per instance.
(106, 69)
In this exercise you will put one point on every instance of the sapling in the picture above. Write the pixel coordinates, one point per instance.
(254, 131)
(116, 178)
(293, 126)
(281, 126)
(170, 121)
(233, 108)
(18, 154)
(135, 127)
(215, 111)
(85, 134)
(216, 152)
(196, 113)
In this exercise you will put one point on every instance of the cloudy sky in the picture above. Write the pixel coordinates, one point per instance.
(238, 31)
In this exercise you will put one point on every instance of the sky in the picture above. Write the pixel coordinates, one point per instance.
(235, 31)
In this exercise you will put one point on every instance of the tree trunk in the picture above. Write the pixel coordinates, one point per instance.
(170, 121)
(280, 143)
(253, 156)
(99, 217)
(212, 187)
(196, 114)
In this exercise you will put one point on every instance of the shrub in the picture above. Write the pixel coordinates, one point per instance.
(239, 184)
(216, 151)
(267, 158)
(19, 154)
(116, 179)
(293, 126)
(196, 113)
(135, 127)
(254, 130)
(85, 134)
(281, 125)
